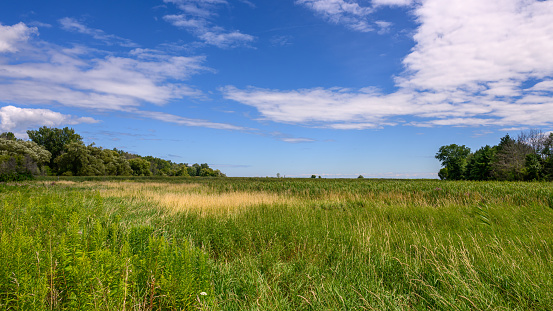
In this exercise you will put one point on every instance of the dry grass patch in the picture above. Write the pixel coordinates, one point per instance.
(190, 197)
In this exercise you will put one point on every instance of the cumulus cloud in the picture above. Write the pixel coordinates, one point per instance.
(12, 36)
(196, 18)
(473, 64)
(71, 24)
(18, 120)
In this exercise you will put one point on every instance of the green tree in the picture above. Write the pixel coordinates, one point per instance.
(454, 159)
(479, 164)
(54, 140)
(116, 164)
(510, 159)
(181, 170)
(140, 167)
(8, 136)
(20, 159)
(532, 167)
(81, 160)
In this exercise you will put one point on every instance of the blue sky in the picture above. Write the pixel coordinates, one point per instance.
(335, 88)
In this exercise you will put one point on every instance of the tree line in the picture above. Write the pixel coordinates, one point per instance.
(528, 157)
(61, 152)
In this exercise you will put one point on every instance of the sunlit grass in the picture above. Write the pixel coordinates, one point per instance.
(293, 244)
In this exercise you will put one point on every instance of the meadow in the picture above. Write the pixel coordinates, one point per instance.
(275, 244)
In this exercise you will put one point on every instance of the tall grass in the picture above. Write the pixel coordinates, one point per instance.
(278, 244)
(65, 249)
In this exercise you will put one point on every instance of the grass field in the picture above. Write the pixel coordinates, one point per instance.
(275, 244)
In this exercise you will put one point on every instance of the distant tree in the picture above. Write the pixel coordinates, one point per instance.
(510, 159)
(140, 167)
(80, 160)
(20, 159)
(313, 176)
(532, 167)
(160, 167)
(181, 170)
(360, 176)
(209, 172)
(479, 164)
(115, 163)
(192, 171)
(54, 140)
(547, 154)
(8, 136)
(36, 153)
(454, 160)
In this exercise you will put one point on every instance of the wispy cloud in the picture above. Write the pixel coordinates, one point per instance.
(88, 79)
(345, 12)
(392, 2)
(471, 66)
(81, 77)
(71, 24)
(171, 118)
(196, 18)
(18, 120)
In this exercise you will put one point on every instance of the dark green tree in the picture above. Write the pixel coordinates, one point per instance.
(80, 160)
(454, 159)
(8, 136)
(532, 167)
(479, 164)
(510, 159)
(140, 167)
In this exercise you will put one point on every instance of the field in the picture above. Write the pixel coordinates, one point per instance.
(275, 244)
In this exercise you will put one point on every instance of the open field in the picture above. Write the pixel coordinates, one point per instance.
(275, 244)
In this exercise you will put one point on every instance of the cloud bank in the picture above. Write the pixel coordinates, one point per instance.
(474, 63)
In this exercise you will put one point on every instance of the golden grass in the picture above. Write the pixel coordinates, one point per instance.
(190, 197)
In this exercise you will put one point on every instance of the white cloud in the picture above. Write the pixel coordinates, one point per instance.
(84, 78)
(75, 77)
(197, 19)
(71, 24)
(171, 118)
(18, 120)
(12, 36)
(334, 108)
(465, 43)
(296, 140)
(470, 66)
(345, 12)
(392, 2)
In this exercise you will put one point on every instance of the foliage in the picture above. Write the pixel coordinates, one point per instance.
(140, 167)
(529, 157)
(71, 157)
(454, 158)
(20, 159)
(54, 140)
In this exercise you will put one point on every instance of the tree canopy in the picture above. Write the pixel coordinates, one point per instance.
(528, 157)
(62, 152)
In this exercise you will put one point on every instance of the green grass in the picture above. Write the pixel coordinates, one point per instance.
(328, 245)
